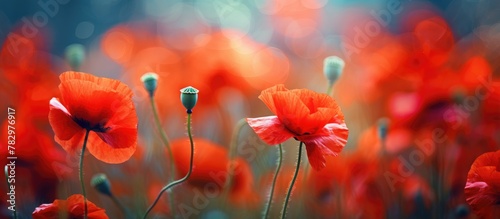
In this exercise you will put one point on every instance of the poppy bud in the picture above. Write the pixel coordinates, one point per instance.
(101, 183)
(75, 55)
(382, 126)
(332, 68)
(189, 97)
(150, 81)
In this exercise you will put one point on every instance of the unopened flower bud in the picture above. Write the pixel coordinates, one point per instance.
(150, 81)
(189, 97)
(332, 68)
(101, 183)
(75, 55)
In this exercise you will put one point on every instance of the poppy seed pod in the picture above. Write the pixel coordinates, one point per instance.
(150, 81)
(189, 97)
(332, 68)
(75, 55)
(101, 183)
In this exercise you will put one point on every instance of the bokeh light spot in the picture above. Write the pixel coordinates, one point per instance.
(84, 30)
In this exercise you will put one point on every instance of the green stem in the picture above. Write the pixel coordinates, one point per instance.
(6, 170)
(165, 141)
(174, 183)
(329, 89)
(268, 206)
(119, 204)
(232, 150)
(81, 173)
(283, 213)
(163, 135)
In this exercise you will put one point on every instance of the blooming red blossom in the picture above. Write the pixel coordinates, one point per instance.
(73, 207)
(482, 190)
(100, 105)
(212, 166)
(309, 117)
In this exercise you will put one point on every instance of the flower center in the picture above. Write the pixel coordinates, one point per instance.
(86, 125)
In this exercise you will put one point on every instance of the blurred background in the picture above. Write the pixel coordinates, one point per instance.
(426, 68)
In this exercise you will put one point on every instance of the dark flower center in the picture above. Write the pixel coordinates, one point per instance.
(99, 127)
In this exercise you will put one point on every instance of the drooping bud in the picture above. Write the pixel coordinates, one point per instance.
(189, 97)
(150, 81)
(75, 55)
(101, 183)
(332, 68)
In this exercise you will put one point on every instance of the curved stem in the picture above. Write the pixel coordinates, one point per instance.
(174, 183)
(81, 173)
(283, 212)
(165, 141)
(232, 149)
(268, 206)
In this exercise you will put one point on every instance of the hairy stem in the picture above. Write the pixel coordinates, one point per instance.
(174, 183)
(81, 174)
(268, 206)
(285, 204)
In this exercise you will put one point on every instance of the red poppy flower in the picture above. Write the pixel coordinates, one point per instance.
(309, 117)
(100, 105)
(211, 167)
(482, 190)
(73, 207)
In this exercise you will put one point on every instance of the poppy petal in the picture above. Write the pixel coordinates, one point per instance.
(267, 96)
(87, 100)
(316, 154)
(270, 129)
(294, 114)
(122, 126)
(483, 188)
(119, 137)
(76, 208)
(73, 207)
(323, 107)
(314, 100)
(45, 211)
(329, 141)
(106, 152)
(72, 144)
(104, 82)
(61, 121)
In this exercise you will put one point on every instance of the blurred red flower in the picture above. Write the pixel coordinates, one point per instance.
(27, 83)
(309, 117)
(211, 167)
(482, 190)
(44, 162)
(27, 78)
(71, 208)
(329, 185)
(491, 105)
(101, 105)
